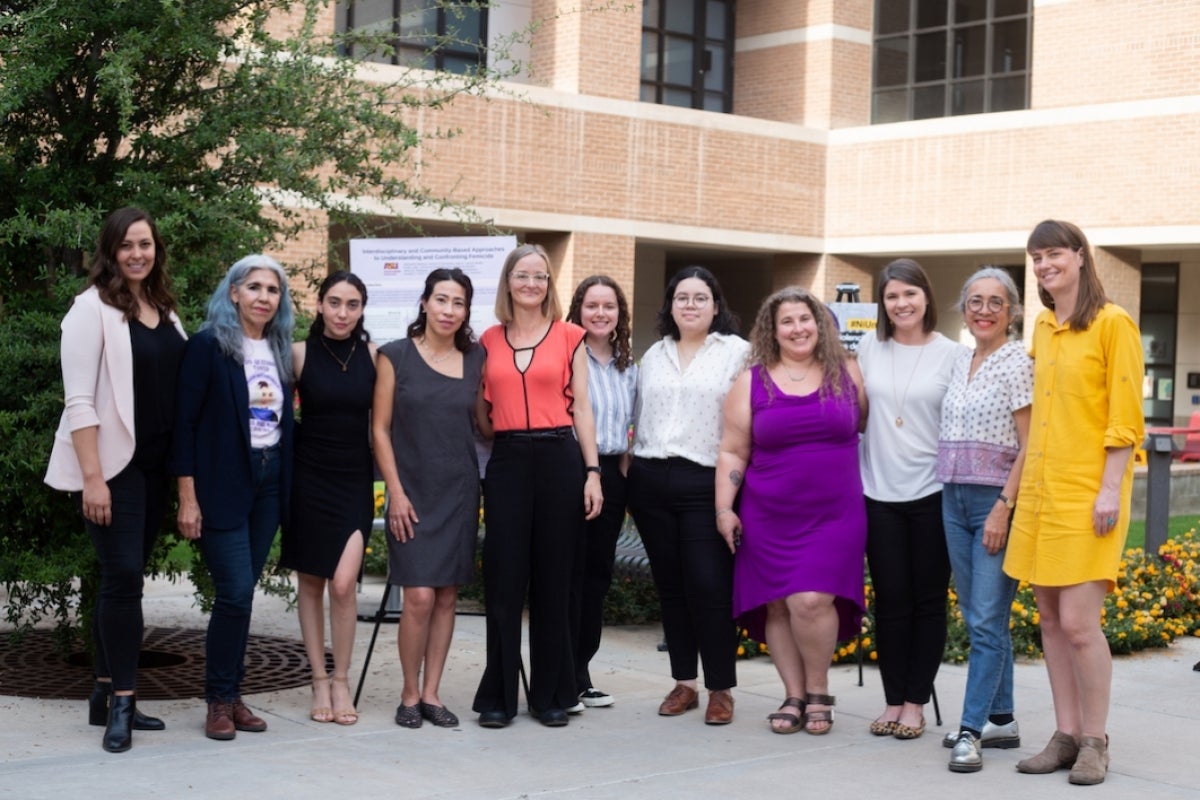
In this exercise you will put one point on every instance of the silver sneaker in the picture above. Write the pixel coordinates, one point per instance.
(965, 757)
(1004, 737)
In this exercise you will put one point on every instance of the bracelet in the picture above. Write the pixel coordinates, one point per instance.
(594, 469)
(721, 511)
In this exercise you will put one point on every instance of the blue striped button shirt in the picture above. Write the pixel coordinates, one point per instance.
(612, 393)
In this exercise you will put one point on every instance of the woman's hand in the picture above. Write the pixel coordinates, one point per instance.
(401, 517)
(729, 524)
(1106, 512)
(593, 496)
(97, 502)
(995, 529)
(189, 518)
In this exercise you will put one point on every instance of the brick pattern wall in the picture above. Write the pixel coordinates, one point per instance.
(1102, 51)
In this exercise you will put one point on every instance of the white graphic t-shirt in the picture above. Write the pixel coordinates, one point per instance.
(266, 392)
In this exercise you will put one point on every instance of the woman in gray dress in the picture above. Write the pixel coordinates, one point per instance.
(422, 428)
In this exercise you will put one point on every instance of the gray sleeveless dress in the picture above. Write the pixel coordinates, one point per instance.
(434, 442)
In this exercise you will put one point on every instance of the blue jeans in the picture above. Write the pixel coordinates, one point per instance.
(985, 596)
(235, 559)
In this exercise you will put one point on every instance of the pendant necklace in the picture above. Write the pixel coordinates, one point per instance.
(792, 377)
(345, 365)
(436, 359)
(900, 402)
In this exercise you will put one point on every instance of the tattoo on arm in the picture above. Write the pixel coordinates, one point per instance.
(735, 477)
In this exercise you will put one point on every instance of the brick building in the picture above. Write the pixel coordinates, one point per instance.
(811, 141)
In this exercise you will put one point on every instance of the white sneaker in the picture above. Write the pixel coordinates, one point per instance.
(1004, 737)
(576, 709)
(594, 698)
(965, 757)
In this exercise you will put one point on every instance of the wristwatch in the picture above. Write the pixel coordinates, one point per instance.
(595, 469)
(1009, 504)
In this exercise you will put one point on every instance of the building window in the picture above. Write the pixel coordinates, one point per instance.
(942, 58)
(429, 34)
(687, 53)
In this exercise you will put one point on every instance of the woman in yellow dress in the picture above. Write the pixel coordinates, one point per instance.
(1073, 509)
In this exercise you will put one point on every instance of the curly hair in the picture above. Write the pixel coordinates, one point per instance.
(829, 353)
(620, 338)
(105, 275)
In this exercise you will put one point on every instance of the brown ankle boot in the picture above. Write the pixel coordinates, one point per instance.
(1061, 751)
(1092, 763)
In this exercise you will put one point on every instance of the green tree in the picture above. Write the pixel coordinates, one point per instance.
(229, 128)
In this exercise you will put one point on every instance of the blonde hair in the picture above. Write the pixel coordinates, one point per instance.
(551, 309)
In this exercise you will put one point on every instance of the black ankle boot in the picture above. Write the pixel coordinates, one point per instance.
(118, 735)
(98, 710)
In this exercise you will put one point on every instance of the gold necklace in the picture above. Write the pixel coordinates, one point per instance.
(436, 359)
(345, 365)
(900, 402)
(792, 377)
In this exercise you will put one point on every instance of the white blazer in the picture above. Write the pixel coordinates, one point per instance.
(97, 366)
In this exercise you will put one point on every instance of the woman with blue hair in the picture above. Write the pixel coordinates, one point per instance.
(232, 454)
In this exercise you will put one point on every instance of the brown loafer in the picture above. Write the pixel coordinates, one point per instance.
(682, 698)
(219, 723)
(720, 708)
(245, 720)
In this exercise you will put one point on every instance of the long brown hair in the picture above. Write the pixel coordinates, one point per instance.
(829, 353)
(620, 338)
(105, 275)
(1090, 297)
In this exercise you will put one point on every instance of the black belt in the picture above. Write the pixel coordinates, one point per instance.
(536, 434)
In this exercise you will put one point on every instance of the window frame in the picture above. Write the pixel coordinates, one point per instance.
(432, 47)
(659, 88)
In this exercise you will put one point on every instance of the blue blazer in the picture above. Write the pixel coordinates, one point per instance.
(211, 441)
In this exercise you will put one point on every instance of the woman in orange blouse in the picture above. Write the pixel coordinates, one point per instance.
(1073, 506)
(542, 482)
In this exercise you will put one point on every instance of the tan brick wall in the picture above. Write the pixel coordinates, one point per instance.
(1120, 272)
(1102, 51)
(769, 16)
(589, 48)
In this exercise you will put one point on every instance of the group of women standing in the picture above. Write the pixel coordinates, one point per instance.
(754, 472)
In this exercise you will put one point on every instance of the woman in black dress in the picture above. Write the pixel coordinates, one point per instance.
(423, 432)
(332, 496)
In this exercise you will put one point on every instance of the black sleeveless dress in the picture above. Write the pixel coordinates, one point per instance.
(333, 474)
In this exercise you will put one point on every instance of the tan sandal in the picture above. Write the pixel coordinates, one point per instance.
(321, 713)
(883, 727)
(825, 715)
(344, 716)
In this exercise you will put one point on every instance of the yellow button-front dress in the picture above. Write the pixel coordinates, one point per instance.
(1087, 396)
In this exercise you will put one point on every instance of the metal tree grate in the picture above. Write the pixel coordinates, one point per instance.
(171, 666)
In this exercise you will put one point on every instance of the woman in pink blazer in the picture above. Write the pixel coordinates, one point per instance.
(121, 347)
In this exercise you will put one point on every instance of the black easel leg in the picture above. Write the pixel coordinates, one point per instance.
(379, 615)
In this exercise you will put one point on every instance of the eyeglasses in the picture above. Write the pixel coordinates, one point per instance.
(530, 277)
(697, 300)
(993, 304)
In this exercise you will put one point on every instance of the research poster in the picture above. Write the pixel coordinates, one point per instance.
(855, 320)
(394, 272)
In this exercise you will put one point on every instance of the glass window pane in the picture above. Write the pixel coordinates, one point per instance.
(415, 57)
(681, 16)
(714, 19)
(969, 51)
(465, 25)
(650, 12)
(714, 78)
(649, 93)
(677, 61)
(891, 61)
(714, 102)
(1004, 8)
(1008, 94)
(459, 65)
(969, 10)
(416, 21)
(891, 16)
(889, 107)
(677, 97)
(929, 101)
(931, 13)
(1009, 46)
(966, 97)
(931, 57)
(650, 56)
(373, 16)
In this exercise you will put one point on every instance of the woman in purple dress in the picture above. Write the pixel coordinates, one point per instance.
(790, 503)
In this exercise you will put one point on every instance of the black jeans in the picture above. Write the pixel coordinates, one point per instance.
(672, 502)
(910, 569)
(533, 509)
(594, 569)
(139, 502)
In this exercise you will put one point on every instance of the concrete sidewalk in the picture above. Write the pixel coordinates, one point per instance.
(49, 751)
